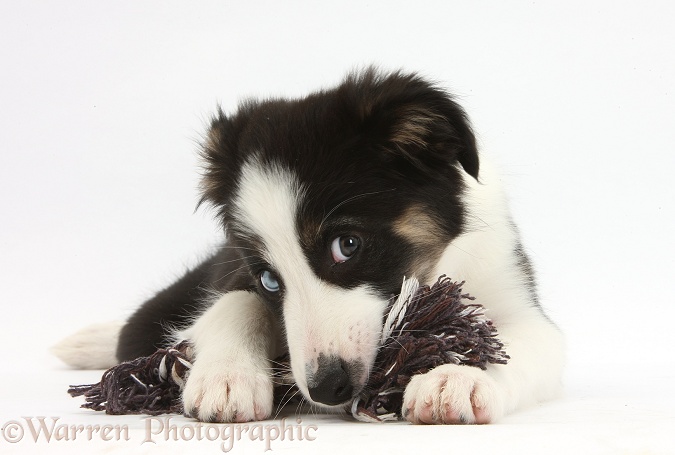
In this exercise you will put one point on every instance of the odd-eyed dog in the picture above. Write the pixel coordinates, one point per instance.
(327, 203)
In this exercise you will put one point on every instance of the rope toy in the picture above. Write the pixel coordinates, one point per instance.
(425, 326)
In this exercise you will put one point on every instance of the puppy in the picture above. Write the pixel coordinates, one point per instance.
(327, 203)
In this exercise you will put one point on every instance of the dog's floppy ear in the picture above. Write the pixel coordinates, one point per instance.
(413, 118)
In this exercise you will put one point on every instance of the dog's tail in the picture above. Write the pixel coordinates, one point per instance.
(92, 348)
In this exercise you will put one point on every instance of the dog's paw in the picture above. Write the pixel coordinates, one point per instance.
(227, 392)
(451, 394)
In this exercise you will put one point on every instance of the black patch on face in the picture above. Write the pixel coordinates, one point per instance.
(252, 263)
(363, 153)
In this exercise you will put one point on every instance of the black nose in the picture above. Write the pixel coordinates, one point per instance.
(330, 384)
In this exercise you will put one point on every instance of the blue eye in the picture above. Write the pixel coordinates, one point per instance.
(269, 281)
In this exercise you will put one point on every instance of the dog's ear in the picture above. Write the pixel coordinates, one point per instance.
(412, 118)
(220, 155)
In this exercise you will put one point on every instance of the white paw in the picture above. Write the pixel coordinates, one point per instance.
(451, 394)
(227, 392)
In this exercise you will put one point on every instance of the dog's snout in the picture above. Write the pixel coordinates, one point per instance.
(331, 384)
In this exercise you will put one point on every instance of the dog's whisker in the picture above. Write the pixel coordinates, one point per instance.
(282, 404)
(353, 198)
(234, 260)
(238, 269)
(233, 247)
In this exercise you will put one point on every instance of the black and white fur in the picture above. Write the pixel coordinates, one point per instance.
(328, 202)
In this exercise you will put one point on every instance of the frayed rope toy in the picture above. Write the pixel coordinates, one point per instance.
(425, 327)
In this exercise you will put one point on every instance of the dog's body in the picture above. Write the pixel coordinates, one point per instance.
(328, 202)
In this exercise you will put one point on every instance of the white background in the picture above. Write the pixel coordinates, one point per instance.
(102, 105)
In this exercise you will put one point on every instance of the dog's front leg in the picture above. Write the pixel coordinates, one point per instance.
(451, 394)
(231, 378)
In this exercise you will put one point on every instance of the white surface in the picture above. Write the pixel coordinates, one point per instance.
(102, 105)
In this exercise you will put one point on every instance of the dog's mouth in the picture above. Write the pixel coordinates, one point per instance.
(335, 381)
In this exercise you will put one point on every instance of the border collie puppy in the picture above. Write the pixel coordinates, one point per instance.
(327, 203)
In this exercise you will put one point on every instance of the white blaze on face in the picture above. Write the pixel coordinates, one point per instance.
(320, 318)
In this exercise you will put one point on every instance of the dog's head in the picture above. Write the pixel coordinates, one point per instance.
(334, 198)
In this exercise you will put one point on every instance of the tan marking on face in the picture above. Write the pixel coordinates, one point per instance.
(413, 126)
(418, 227)
(425, 234)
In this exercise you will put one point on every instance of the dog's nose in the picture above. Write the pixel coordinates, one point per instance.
(330, 384)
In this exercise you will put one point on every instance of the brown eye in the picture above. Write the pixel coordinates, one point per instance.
(344, 247)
